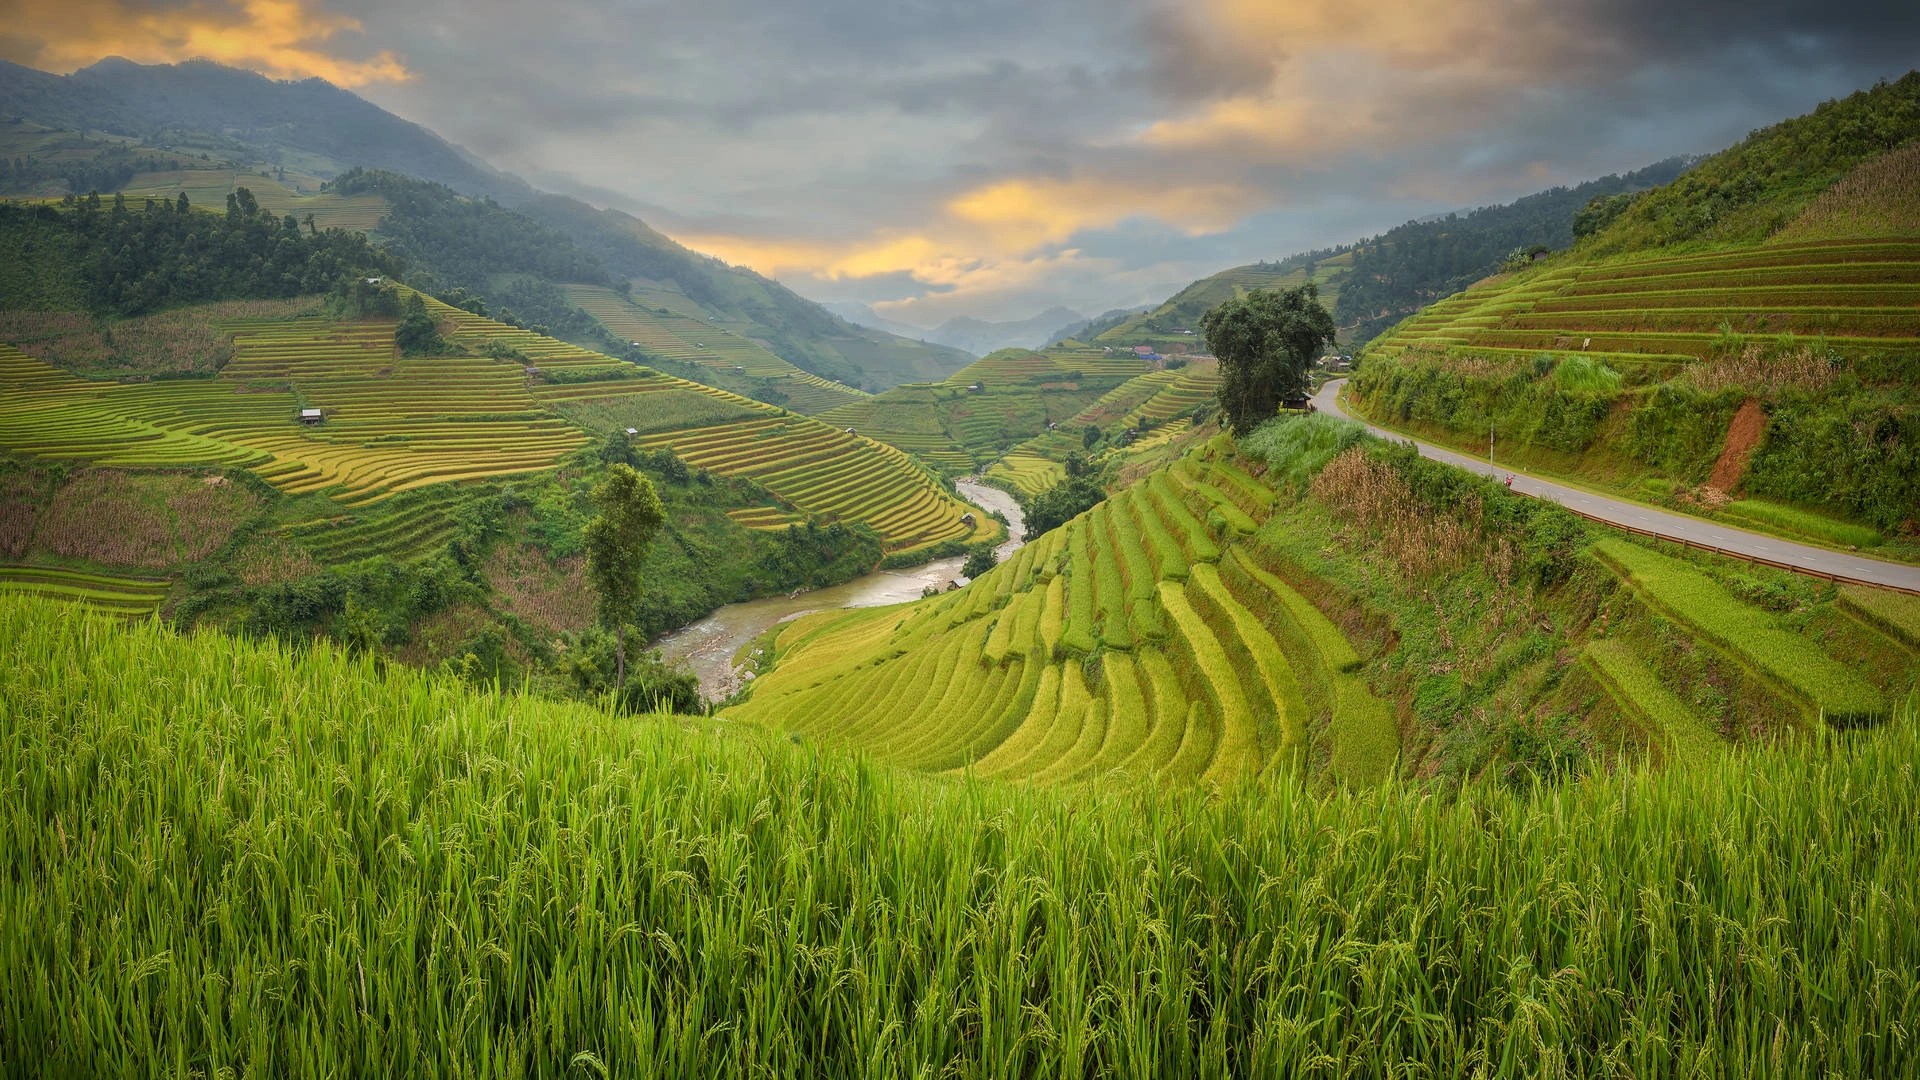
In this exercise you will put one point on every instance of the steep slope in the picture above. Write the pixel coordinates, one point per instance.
(1312, 602)
(1373, 283)
(1743, 342)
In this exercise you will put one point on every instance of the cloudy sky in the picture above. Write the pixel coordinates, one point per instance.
(1000, 156)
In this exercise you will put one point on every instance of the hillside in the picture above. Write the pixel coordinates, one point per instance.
(206, 130)
(1173, 326)
(1742, 343)
(155, 463)
(983, 410)
(588, 874)
(1315, 604)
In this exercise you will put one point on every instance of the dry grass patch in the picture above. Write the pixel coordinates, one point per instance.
(152, 520)
(1765, 371)
(551, 595)
(268, 560)
(190, 339)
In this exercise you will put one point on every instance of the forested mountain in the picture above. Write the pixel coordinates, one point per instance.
(1412, 265)
(1373, 283)
(199, 124)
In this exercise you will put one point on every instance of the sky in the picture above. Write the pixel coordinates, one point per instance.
(998, 157)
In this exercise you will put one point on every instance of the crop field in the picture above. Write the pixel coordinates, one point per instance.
(1823, 687)
(1031, 475)
(209, 188)
(1860, 297)
(678, 335)
(124, 596)
(1142, 637)
(996, 930)
(395, 424)
(821, 470)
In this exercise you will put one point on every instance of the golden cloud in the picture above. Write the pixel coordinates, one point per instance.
(283, 39)
(994, 236)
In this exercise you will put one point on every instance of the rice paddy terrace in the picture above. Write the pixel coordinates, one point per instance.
(1652, 316)
(678, 335)
(396, 424)
(987, 407)
(1144, 636)
(209, 188)
(1163, 635)
(1154, 405)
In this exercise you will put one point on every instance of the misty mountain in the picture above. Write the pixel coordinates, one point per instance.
(976, 336)
(320, 130)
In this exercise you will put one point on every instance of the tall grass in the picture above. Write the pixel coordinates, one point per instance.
(1297, 446)
(225, 858)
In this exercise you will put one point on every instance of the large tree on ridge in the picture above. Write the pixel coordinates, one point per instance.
(1266, 342)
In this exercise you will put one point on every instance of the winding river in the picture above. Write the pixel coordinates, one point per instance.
(708, 646)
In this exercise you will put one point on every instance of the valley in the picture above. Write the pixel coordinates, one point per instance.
(452, 628)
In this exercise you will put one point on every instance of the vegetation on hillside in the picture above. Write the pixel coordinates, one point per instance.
(521, 887)
(1319, 602)
(1752, 190)
(111, 256)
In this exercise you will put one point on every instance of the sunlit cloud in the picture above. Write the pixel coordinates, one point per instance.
(284, 39)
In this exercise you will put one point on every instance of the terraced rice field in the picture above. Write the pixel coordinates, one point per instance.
(676, 335)
(209, 188)
(1794, 667)
(829, 473)
(1143, 637)
(1861, 297)
(396, 424)
(908, 418)
(1030, 474)
(129, 597)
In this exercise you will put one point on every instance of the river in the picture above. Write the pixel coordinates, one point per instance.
(708, 645)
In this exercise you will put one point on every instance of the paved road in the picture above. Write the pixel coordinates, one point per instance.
(1639, 516)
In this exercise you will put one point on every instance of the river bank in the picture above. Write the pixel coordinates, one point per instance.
(708, 646)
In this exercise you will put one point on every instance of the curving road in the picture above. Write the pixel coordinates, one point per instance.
(1641, 518)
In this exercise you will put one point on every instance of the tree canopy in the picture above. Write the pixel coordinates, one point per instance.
(629, 513)
(1266, 341)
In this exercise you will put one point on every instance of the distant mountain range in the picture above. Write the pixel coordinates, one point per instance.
(200, 116)
(976, 336)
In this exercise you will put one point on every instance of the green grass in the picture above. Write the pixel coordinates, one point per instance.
(1819, 683)
(231, 858)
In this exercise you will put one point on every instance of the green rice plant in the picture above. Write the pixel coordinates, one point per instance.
(1240, 753)
(1667, 720)
(1053, 617)
(1894, 614)
(1795, 666)
(1198, 746)
(1170, 562)
(460, 880)
(1807, 524)
(1080, 635)
(1282, 735)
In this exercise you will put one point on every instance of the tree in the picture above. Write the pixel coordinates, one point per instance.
(1062, 503)
(1266, 342)
(980, 559)
(629, 513)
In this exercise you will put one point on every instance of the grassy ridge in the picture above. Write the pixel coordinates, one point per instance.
(229, 857)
